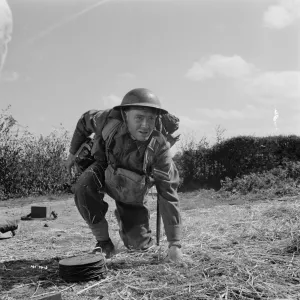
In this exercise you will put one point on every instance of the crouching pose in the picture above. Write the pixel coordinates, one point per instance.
(130, 156)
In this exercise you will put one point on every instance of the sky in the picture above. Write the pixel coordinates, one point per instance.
(227, 63)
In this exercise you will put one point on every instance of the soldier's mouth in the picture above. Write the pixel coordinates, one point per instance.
(143, 132)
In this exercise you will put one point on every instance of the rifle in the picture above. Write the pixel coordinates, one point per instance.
(158, 223)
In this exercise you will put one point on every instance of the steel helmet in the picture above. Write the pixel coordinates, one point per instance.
(141, 97)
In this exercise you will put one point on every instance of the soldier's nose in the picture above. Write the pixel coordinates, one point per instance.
(144, 124)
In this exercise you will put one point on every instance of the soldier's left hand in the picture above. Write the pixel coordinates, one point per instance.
(174, 254)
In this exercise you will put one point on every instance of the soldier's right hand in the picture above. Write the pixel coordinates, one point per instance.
(70, 163)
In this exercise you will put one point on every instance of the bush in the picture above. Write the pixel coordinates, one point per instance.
(190, 160)
(280, 181)
(31, 165)
(240, 164)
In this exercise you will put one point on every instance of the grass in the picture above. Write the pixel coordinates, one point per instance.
(233, 249)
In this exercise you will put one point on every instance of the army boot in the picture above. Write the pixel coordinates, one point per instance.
(107, 248)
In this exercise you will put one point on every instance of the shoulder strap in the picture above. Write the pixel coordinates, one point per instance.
(149, 154)
(109, 128)
(108, 133)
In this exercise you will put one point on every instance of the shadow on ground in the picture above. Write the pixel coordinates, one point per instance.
(22, 278)
(21, 272)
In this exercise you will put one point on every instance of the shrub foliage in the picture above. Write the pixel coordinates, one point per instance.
(243, 164)
(279, 181)
(31, 165)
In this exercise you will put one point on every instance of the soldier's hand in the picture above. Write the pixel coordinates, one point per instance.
(70, 163)
(172, 140)
(175, 254)
(177, 138)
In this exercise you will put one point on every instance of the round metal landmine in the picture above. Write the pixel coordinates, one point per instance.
(82, 268)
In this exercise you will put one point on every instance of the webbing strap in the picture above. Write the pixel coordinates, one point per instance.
(148, 154)
(110, 127)
(108, 133)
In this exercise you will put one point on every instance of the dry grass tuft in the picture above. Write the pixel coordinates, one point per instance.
(248, 251)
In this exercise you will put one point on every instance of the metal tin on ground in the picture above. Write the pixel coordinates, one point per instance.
(82, 268)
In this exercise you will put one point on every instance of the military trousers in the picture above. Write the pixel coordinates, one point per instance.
(128, 189)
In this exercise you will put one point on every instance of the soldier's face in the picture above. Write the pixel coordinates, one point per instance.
(141, 123)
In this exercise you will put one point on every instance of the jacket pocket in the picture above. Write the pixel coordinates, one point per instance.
(126, 186)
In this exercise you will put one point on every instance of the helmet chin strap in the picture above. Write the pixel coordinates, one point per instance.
(123, 114)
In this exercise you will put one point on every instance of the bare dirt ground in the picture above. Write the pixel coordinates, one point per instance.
(233, 250)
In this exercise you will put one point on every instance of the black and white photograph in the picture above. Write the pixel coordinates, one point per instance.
(150, 149)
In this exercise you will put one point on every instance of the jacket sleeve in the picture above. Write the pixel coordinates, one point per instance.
(87, 125)
(166, 179)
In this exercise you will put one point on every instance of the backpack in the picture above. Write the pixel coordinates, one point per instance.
(169, 124)
(166, 124)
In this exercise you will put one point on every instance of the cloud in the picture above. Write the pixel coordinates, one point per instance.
(111, 100)
(264, 85)
(219, 65)
(279, 85)
(282, 14)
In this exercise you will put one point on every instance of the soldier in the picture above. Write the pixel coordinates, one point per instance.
(130, 155)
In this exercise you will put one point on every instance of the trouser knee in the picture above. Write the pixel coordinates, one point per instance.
(134, 230)
(88, 194)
